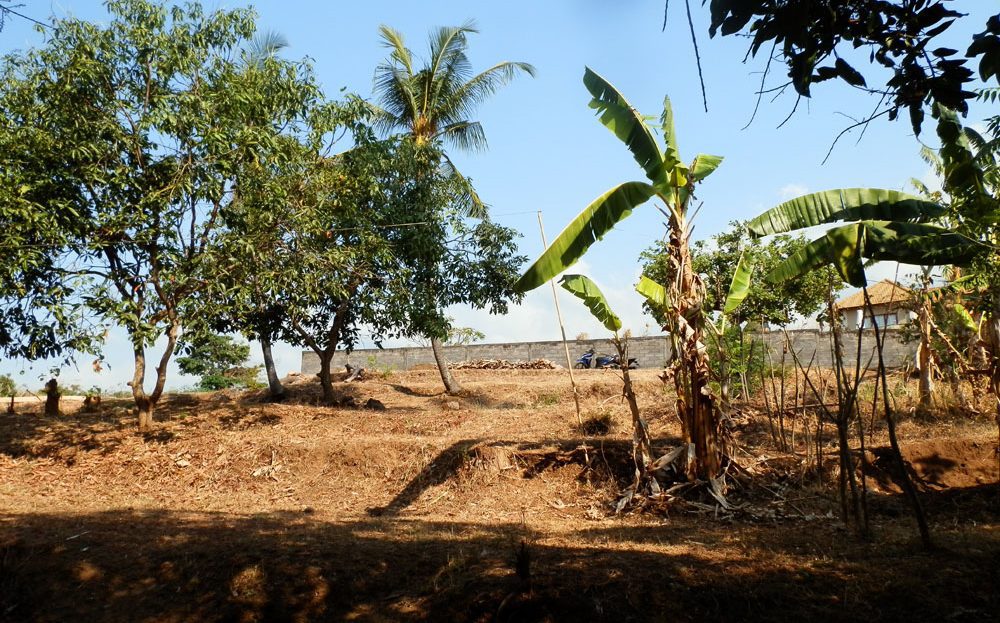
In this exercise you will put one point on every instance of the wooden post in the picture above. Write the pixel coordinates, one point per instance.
(562, 329)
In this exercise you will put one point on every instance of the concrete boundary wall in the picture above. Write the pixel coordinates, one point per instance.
(652, 352)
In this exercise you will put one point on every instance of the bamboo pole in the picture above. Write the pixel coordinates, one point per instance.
(562, 329)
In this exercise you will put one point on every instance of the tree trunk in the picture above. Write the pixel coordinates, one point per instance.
(143, 405)
(144, 408)
(924, 357)
(146, 403)
(52, 398)
(451, 386)
(277, 392)
(325, 380)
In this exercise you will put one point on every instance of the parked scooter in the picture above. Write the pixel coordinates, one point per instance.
(585, 360)
(614, 362)
(590, 359)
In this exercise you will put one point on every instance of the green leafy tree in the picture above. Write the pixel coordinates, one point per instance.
(460, 336)
(432, 104)
(672, 183)
(139, 119)
(450, 260)
(317, 240)
(7, 385)
(220, 361)
(716, 261)
(243, 291)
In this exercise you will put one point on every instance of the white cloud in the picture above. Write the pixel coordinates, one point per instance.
(790, 191)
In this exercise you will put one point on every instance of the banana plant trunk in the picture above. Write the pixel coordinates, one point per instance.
(990, 336)
(925, 357)
(451, 386)
(696, 407)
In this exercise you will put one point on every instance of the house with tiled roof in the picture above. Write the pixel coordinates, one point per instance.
(889, 301)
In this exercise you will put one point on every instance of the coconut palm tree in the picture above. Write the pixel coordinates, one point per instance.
(433, 104)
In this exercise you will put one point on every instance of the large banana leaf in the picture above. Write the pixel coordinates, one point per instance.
(587, 291)
(917, 243)
(703, 166)
(671, 155)
(841, 246)
(587, 228)
(909, 243)
(627, 124)
(740, 286)
(653, 292)
(965, 318)
(844, 204)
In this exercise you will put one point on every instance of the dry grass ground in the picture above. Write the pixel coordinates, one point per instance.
(238, 510)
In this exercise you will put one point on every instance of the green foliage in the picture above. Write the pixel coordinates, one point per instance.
(450, 259)
(434, 101)
(910, 239)
(149, 121)
(716, 261)
(739, 355)
(845, 204)
(813, 37)
(219, 361)
(240, 377)
(968, 165)
(7, 386)
(739, 288)
(458, 336)
(212, 354)
(669, 177)
(588, 227)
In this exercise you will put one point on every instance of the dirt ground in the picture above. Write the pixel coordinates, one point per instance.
(491, 506)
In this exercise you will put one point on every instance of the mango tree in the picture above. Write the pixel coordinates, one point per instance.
(135, 131)
(671, 182)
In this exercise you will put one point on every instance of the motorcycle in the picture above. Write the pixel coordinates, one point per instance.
(591, 360)
(614, 362)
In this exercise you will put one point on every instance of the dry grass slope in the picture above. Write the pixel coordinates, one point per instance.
(478, 508)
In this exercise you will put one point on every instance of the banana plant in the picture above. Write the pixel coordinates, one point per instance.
(586, 290)
(670, 183)
(885, 225)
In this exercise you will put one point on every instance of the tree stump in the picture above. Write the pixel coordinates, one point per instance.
(52, 397)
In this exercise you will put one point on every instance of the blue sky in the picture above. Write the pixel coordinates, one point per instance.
(547, 152)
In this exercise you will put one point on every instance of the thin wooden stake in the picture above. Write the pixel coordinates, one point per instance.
(562, 329)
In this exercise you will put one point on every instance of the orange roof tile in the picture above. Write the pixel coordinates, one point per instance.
(882, 293)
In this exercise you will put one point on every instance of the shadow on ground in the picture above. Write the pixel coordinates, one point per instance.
(163, 566)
